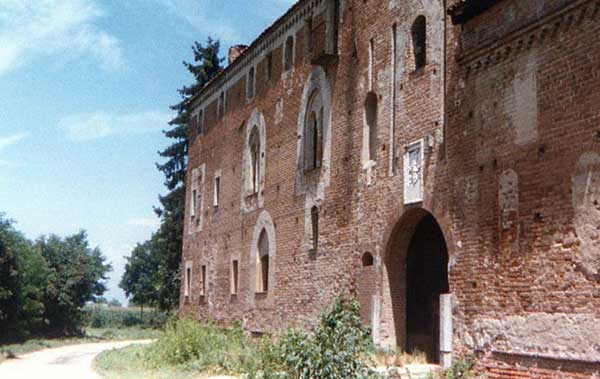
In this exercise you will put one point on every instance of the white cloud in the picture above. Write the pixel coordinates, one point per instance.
(30, 29)
(90, 126)
(145, 222)
(6, 142)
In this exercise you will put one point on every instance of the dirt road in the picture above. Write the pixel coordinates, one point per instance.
(67, 362)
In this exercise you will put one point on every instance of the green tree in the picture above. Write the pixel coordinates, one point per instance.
(168, 240)
(139, 280)
(77, 275)
(23, 280)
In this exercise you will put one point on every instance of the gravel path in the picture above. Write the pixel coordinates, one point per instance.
(67, 362)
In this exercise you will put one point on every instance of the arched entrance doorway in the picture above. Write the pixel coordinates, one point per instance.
(417, 270)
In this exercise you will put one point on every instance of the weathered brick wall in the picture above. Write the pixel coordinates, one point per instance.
(511, 174)
(521, 134)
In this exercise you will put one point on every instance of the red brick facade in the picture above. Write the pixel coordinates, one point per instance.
(357, 171)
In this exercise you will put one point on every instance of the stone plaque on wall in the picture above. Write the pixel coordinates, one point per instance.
(413, 173)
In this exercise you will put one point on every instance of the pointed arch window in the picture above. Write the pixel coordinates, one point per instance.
(262, 272)
(254, 146)
(313, 133)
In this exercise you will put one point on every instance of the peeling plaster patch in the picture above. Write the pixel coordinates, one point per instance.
(279, 112)
(559, 336)
(586, 203)
(508, 198)
(468, 186)
(384, 77)
(520, 100)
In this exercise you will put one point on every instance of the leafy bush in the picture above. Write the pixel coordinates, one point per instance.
(339, 347)
(462, 368)
(102, 316)
(203, 347)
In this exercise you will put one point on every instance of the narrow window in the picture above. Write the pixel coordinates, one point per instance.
(200, 122)
(269, 67)
(188, 280)
(371, 120)
(203, 280)
(217, 191)
(250, 84)
(309, 35)
(313, 134)
(234, 277)
(255, 159)
(262, 272)
(419, 37)
(371, 55)
(288, 58)
(392, 144)
(221, 105)
(198, 197)
(367, 259)
(314, 218)
(194, 205)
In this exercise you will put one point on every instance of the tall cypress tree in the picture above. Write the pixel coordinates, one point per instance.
(168, 240)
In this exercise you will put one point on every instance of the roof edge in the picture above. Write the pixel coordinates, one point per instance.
(247, 51)
(465, 10)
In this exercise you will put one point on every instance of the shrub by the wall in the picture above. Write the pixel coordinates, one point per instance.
(339, 348)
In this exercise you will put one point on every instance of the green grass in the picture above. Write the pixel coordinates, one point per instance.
(91, 335)
(129, 363)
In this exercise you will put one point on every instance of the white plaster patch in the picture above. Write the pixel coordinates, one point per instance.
(520, 100)
(279, 112)
(559, 336)
(468, 186)
(586, 204)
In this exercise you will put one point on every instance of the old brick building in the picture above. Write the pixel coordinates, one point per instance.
(440, 160)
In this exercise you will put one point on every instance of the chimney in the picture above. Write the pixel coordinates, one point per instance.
(235, 51)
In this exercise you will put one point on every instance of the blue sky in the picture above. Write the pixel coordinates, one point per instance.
(85, 89)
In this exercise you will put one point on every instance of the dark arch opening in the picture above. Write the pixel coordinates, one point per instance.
(367, 259)
(417, 273)
(427, 279)
(419, 38)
